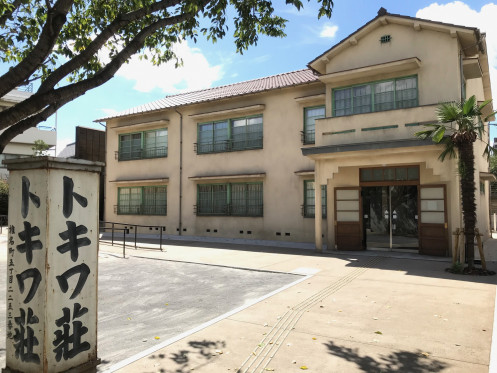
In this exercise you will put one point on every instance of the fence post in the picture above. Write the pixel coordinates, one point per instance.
(124, 243)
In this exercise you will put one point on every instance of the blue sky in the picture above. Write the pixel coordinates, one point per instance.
(207, 65)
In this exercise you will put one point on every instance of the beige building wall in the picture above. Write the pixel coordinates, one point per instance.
(276, 165)
(431, 53)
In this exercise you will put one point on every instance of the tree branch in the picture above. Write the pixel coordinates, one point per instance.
(56, 18)
(39, 101)
(25, 124)
(15, 5)
(100, 40)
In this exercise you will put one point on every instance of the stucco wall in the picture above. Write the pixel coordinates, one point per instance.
(279, 159)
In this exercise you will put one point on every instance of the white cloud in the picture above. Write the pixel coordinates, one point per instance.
(459, 13)
(109, 112)
(196, 72)
(328, 31)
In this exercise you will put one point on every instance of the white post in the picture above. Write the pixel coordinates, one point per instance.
(495, 222)
(52, 265)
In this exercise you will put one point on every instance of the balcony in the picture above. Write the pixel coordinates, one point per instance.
(390, 125)
(309, 211)
(308, 137)
(140, 210)
(148, 153)
(228, 145)
(229, 209)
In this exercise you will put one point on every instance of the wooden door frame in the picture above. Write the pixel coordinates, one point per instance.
(335, 221)
(446, 222)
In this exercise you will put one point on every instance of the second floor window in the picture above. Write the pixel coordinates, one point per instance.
(310, 116)
(237, 199)
(143, 200)
(143, 145)
(377, 96)
(230, 135)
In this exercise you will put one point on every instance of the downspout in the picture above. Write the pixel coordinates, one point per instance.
(180, 208)
(461, 75)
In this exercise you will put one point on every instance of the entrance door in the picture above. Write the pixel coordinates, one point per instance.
(433, 225)
(347, 219)
(390, 217)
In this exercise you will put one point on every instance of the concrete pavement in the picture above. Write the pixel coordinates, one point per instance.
(366, 312)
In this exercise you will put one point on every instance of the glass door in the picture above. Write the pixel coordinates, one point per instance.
(390, 217)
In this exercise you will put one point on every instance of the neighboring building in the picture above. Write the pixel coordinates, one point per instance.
(89, 145)
(248, 160)
(21, 145)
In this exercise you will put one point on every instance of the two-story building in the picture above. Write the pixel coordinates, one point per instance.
(249, 160)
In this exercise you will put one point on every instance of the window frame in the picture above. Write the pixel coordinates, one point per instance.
(306, 137)
(324, 201)
(372, 86)
(141, 208)
(229, 204)
(228, 146)
(143, 149)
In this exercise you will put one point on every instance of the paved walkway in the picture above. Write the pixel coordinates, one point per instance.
(355, 312)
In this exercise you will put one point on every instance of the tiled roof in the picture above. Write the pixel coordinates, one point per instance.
(232, 90)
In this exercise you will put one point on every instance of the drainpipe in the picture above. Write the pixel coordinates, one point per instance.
(180, 221)
(461, 75)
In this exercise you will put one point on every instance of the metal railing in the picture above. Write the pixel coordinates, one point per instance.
(126, 228)
(228, 145)
(308, 137)
(140, 210)
(309, 211)
(25, 87)
(46, 128)
(4, 220)
(228, 209)
(147, 153)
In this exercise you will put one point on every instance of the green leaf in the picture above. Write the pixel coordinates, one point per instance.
(438, 134)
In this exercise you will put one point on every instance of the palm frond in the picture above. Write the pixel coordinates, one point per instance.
(449, 149)
(469, 106)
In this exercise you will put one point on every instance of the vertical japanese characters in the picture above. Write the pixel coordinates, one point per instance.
(68, 340)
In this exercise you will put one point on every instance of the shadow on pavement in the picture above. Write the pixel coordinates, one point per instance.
(413, 264)
(398, 361)
(195, 356)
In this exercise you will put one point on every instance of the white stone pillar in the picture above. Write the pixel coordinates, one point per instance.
(52, 265)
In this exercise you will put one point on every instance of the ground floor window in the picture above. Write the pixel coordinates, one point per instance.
(143, 200)
(308, 208)
(230, 199)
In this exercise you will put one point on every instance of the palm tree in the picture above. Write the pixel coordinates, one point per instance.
(459, 126)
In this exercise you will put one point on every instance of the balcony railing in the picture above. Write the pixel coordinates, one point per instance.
(26, 88)
(228, 145)
(140, 210)
(308, 137)
(147, 153)
(256, 210)
(309, 211)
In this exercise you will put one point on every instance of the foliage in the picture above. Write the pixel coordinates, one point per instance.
(40, 148)
(4, 197)
(493, 163)
(459, 125)
(72, 46)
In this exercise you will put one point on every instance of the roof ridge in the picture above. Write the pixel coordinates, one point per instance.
(234, 84)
